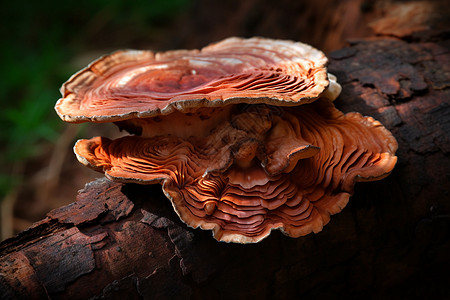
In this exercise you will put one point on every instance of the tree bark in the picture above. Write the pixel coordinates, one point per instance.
(392, 240)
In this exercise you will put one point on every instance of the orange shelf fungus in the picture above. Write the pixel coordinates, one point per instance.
(242, 134)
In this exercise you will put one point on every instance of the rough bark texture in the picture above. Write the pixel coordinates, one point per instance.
(392, 240)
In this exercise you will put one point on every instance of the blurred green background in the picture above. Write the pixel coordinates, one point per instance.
(40, 41)
(42, 44)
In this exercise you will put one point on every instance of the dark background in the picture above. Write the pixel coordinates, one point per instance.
(44, 42)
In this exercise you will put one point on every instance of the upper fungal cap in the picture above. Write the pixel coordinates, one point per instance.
(137, 84)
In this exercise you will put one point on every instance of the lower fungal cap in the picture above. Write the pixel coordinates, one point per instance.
(290, 174)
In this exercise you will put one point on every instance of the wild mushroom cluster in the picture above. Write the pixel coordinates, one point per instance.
(242, 134)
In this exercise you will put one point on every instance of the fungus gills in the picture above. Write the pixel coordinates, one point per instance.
(242, 135)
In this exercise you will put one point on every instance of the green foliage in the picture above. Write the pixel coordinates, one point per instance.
(39, 38)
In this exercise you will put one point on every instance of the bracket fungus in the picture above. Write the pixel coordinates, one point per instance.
(242, 134)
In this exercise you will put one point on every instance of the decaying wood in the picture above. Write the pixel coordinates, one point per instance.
(392, 240)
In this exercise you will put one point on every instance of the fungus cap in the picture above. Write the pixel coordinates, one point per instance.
(242, 134)
(241, 183)
(139, 84)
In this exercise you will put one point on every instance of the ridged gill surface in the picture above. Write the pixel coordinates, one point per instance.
(264, 168)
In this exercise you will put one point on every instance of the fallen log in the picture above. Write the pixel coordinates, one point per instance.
(392, 240)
